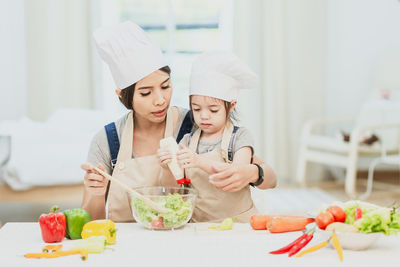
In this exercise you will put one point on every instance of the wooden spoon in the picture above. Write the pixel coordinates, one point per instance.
(147, 200)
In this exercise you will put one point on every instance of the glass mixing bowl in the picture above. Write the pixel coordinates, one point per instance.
(179, 201)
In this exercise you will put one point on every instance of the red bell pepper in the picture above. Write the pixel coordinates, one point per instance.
(53, 226)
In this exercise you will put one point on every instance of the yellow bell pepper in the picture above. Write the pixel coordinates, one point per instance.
(100, 227)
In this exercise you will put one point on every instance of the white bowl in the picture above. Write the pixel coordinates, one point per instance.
(351, 241)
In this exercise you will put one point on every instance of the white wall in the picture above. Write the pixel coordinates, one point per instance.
(358, 33)
(12, 60)
(305, 67)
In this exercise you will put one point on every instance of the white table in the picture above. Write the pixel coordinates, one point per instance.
(192, 245)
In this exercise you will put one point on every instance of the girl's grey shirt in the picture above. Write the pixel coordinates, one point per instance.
(99, 151)
(243, 138)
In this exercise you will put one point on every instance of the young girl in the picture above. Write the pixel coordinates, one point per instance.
(216, 79)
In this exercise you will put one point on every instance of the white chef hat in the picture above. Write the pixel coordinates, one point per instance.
(220, 74)
(129, 52)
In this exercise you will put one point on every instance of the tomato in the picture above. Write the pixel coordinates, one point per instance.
(357, 213)
(338, 213)
(324, 219)
(157, 223)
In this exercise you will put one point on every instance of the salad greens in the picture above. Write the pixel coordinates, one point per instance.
(179, 211)
(374, 218)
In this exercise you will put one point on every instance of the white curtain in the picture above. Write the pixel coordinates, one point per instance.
(58, 43)
(284, 41)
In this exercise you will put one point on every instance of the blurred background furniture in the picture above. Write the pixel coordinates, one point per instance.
(378, 116)
(384, 159)
(48, 153)
(40, 162)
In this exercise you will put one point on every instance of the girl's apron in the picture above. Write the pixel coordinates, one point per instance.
(213, 204)
(135, 172)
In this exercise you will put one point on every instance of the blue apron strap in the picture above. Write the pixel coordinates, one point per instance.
(230, 147)
(113, 142)
(186, 127)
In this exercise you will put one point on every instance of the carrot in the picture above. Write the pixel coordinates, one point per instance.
(288, 224)
(57, 254)
(260, 222)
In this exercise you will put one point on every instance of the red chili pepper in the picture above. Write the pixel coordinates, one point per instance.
(296, 248)
(358, 213)
(53, 226)
(288, 247)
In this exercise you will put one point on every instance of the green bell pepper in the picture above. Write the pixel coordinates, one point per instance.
(76, 219)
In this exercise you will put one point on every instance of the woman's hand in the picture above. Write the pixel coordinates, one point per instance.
(232, 177)
(187, 158)
(95, 184)
(164, 157)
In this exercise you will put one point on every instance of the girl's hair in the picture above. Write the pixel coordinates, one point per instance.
(127, 93)
(232, 116)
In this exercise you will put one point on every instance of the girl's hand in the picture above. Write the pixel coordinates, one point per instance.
(94, 183)
(164, 157)
(232, 177)
(187, 158)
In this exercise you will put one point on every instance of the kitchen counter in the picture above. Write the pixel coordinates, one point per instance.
(192, 245)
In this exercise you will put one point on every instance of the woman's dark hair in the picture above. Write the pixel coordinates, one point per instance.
(127, 93)
(227, 105)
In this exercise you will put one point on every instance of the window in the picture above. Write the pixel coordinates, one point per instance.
(184, 29)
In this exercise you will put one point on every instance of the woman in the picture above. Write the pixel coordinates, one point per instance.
(137, 66)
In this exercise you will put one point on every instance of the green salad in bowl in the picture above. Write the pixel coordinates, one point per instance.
(358, 224)
(178, 201)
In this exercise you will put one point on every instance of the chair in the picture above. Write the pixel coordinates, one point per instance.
(384, 159)
(379, 116)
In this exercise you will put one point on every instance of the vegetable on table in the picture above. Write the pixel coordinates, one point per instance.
(296, 245)
(100, 228)
(259, 222)
(288, 224)
(76, 219)
(336, 245)
(226, 224)
(93, 244)
(338, 213)
(289, 246)
(314, 248)
(53, 226)
(55, 252)
(324, 219)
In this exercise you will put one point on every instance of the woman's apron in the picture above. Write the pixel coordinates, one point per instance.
(213, 204)
(135, 172)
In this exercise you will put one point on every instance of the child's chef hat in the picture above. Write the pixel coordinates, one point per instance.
(220, 74)
(129, 52)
